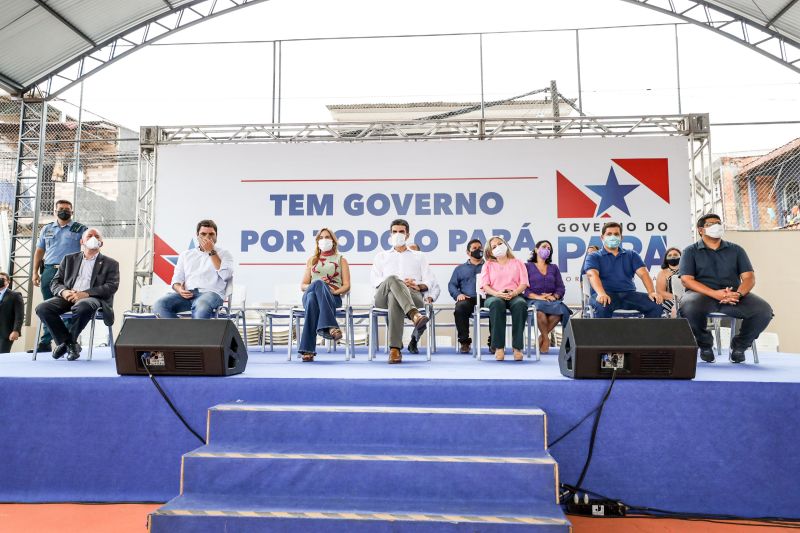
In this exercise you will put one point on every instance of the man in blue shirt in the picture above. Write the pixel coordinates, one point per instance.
(611, 272)
(462, 290)
(56, 240)
(719, 278)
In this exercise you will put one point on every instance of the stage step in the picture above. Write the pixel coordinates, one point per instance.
(367, 468)
(451, 430)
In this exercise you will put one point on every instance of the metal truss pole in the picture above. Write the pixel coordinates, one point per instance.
(144, 237)
(27, 197)
(76, 164)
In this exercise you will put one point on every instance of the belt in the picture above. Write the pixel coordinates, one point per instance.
(54, 265)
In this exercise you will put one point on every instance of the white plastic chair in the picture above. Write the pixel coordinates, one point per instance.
(148, 295)
(361, 300)
(679, 290)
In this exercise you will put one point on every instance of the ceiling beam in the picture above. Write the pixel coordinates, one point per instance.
(9, 85)
(65, 22)
(781, 13)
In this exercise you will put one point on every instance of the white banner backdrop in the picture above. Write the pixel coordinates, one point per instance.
(270, 199)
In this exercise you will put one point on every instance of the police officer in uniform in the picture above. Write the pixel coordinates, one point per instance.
(57, 239)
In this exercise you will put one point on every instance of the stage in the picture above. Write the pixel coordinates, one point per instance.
(722, 443)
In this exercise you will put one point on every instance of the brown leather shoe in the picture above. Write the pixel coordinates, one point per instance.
(419, 320)
(466, 347)
(394, 356)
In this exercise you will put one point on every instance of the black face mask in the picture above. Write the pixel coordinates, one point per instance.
(673, 262)
(477, 254)
(64, 214)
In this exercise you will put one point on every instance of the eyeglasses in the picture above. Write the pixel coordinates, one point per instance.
(709, 224)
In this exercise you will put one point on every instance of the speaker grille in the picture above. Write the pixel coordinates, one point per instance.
(190, 362)
(655, 364)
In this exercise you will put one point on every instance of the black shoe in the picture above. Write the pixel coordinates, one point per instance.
(74, 350)
(412, 346)
(60, 350)
(737, 355)
(707, 354)
(48, 347)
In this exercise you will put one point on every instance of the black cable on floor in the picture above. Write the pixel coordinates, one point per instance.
(169, 402)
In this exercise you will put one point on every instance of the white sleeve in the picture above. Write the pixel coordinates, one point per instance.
(179, 275)
(225, 271)
(376, 275)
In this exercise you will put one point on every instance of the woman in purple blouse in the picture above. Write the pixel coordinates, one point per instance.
(546, 289)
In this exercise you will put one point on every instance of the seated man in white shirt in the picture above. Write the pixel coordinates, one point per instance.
(430, 296)
(400, 276)
(200, 277)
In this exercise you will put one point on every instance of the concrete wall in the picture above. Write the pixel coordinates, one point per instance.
(775, 256)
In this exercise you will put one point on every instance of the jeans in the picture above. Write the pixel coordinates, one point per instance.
(497, 321)
(320, 306)
(638, 301)
(202, 304)
(755, 312)
(50, 314)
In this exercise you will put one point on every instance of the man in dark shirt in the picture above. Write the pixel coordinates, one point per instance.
(718, 278)
(462, 289)
(611, 272)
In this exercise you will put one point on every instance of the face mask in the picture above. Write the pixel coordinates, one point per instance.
(674, 261)
(715, 231)
(326, 245)
(612, 241)
(477, 254)
(543, 252)
(500, 250)
(64, 214)
(398, 240)
(93, 243)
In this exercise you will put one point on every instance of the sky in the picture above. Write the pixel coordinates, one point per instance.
(624, 71)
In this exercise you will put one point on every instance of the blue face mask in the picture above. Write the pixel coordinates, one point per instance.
(612, 241)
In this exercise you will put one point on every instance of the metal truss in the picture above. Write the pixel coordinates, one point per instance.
(754, 35)
(112, 50)
(145, 214)
(28, 173)
(527, 128)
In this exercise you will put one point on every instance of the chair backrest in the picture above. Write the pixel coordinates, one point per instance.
(148, 294)
(678, 289)
(238, 295)
(478, 284)
(586, 293)
(362, 294)
(288, 295)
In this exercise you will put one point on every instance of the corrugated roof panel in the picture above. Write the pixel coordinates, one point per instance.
(103, 19)
(34, 42)
(13, 9)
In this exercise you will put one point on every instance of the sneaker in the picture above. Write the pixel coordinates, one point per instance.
(737, 355)
(707, 354)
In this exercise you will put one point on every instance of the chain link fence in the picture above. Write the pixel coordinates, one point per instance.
(95, 168)
(759, 192)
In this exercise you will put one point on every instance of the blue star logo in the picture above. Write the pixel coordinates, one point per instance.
(612, 194)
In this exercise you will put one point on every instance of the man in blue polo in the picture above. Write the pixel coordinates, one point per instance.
(56, 240)
(719, 278)
(462, 289)
(611, 271)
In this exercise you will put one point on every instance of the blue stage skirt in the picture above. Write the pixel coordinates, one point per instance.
(554, 308)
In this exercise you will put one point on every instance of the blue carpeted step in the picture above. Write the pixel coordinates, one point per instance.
(250, 514)
(403, 429)
(531, 479)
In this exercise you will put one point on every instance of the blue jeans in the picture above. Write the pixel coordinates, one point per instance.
(202, 304)
(320, 306)
(627, 300)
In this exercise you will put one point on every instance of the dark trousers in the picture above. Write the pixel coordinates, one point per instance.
(497, 321)
(320, 310)
(638, 301)
(48, 274)
(754, 311)
(464, 310)
(5, 345)
(83, 311)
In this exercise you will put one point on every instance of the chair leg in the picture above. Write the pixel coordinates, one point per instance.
(111, 342)
(91, 338)
(430, 339)
(755, 352)
(718, 334)
(290, 340)
(372, 336)
(734, 324)
(36, 341)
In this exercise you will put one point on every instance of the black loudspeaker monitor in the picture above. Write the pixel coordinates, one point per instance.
(180, 347)
(656, 348)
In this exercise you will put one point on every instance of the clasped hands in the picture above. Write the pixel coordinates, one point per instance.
(546, 296)
(73, 296)
(727, 296)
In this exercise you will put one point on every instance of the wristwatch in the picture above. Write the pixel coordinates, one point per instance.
(740, 294)
(212, 252)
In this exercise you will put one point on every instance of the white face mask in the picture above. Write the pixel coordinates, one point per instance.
(715, 231)
(398, 240)
(93, 243)
(500, 250)
(326, 245)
